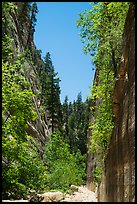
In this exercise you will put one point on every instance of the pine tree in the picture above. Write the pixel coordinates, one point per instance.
(65, 110)
(51, 93)
(75, 121)
(81, 111)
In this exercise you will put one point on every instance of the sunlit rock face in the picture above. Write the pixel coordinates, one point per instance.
(118, 181)
(22, 36)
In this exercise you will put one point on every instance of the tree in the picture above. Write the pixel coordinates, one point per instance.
(21, 167)
(97, 32)
(65, 167)
(101, 31)
(75, 123)
(51, 93)
(65, 111)
(81, 112)
(28, 15)
(33, 12)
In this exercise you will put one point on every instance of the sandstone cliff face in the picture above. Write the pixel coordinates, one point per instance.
(118, 181)
(23, 39)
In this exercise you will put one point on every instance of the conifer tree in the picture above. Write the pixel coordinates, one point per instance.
(75, 119)
(65, 110)
(51, 93)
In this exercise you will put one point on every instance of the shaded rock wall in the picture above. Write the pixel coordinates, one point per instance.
(118, 181)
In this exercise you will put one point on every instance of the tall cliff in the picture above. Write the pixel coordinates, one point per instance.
(21, 32)
(118, 181)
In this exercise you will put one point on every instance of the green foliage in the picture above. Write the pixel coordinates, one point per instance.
(65, 111)
(97, 174)
(38, 52)
(6, 25)
(17, 103)
(6, 8)
(50, 93)
(23, 170)
(32, 9)
(98, 26)
(102, 125)
(101, 31)
(75, 120)
(21, 167)
(65, 168)
(33, 12)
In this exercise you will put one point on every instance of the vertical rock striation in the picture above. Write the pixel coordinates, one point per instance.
(118, 181)
(23, 42)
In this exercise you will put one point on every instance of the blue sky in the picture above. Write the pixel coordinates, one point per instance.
(56, 32)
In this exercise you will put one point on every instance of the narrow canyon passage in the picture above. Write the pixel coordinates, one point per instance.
(70, 150)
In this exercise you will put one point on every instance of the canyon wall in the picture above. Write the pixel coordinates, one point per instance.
(23, 42)
(118, 180)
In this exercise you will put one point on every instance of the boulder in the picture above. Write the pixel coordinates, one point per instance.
(74, 188)
(36, 198)
(52, 196)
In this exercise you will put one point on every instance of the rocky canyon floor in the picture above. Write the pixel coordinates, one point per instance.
(80, 194)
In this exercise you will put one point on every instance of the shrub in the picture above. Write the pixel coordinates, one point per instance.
(97, 173)
(65, 168)
(23, 171)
